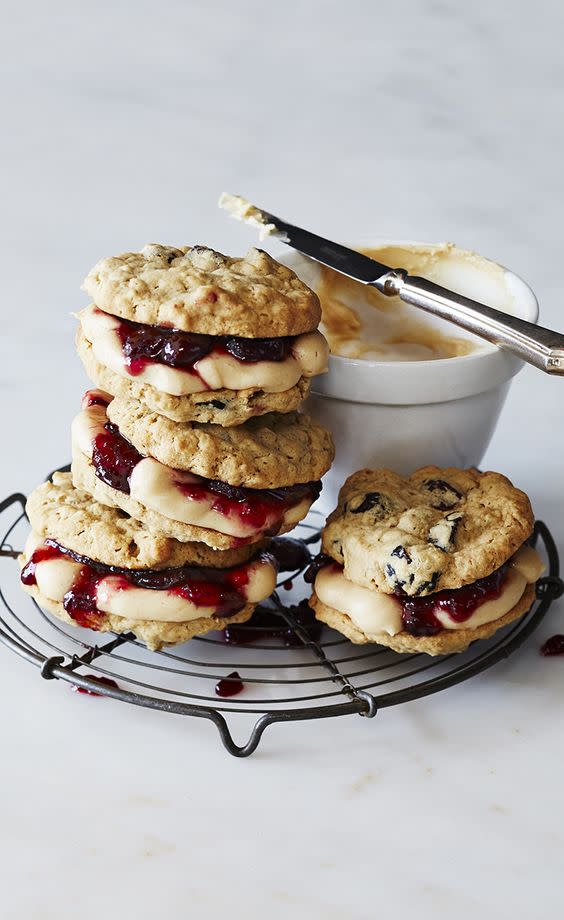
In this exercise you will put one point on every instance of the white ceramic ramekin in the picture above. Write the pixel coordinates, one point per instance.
(406, 414)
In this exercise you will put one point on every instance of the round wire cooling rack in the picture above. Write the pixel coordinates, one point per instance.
(288, 674)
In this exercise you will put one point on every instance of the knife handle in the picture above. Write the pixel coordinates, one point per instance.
(536, 345)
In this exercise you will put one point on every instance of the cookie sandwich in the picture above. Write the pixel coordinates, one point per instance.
(425, 563)
(198, 336)
(224, 487)
(94, 566)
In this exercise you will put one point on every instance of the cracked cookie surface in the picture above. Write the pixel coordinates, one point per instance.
(434, 530)
(197, 289)
(266, 452)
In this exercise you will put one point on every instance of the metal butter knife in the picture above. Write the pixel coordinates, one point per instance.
(536, 345)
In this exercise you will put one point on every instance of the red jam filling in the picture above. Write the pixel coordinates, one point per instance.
(143, 345)
(419, 613)
(95, 398)
(257, 508)
(230, 685)
(114, 458)
(291, 554)
(321, 561)
(203, 586)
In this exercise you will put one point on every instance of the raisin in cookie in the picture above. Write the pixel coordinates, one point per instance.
(436, 529)
(96, 567)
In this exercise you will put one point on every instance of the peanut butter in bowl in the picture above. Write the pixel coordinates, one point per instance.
(405, 388)
(360, 322)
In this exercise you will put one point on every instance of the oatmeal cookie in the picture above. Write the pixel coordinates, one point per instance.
(199, 290)
(221, 407)
(434, 530)
(111, 536)
(267, 452)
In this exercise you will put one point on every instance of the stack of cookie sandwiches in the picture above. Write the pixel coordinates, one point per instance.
(190, 453)
(427, 563)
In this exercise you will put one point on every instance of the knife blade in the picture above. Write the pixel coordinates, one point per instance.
(334, 255)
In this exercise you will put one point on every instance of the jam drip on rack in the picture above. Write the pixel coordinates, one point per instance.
(107, 681)
(143, 345)
(230, 685)
(266, 623)
(203, 586)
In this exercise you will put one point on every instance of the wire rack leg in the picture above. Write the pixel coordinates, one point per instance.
(250, 747)
(365, 702)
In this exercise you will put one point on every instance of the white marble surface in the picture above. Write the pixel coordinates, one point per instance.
(121, 123)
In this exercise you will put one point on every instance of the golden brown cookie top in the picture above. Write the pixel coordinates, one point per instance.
(197, 289)
(436, 529)
(267, 452)
(74, 519)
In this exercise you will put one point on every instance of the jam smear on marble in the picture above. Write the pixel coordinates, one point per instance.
(143, 344)
(553, 646)
(230, 685)
(114, 458)
(223, 589)
(107, 681)
(265, 623)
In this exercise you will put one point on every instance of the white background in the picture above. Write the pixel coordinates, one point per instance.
(121, 123)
